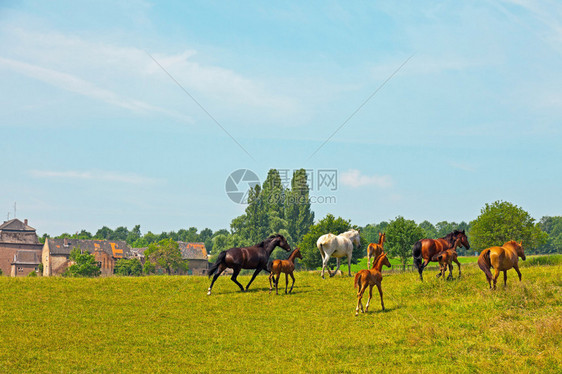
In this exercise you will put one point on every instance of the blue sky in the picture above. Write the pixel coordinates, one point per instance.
(94, 132)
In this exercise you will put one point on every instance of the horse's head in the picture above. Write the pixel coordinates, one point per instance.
(282, 242)
(463, 239)
(355, 237)
(385, 260)
(298, 253)
(520, 251)
(382, 238)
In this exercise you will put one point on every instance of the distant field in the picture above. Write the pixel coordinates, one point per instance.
(362, 263)
(168, 324)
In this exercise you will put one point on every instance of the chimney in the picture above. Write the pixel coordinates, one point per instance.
(65, 242)
(25, 221)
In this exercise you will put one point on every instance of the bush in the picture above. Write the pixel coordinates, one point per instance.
(32, 274)
(84, 265)
(542, 260)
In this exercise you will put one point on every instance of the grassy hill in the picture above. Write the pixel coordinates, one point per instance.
(168, 324)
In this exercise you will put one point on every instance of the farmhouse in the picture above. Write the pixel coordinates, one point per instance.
(56, 253)
(20, 250)
(196, 255)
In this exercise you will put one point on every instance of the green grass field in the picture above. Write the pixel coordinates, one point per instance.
(168, 324)
(362, 263)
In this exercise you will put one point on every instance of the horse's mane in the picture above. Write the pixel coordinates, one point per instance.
(450, 237)
(268, 240)
(378, 258)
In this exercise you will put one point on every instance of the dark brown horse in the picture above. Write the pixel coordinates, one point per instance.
(425, 249)
(254, 257)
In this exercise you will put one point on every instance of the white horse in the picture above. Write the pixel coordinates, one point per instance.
(337, 246)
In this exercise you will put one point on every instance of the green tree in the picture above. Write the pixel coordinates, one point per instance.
(134, 235)
(105, 233)
(220, 243)
(401, 235)
(298, 213)
(149, 268)
(166, 255)
(84, 265)
(429, 230)
(128, 267)
(553, 227)
(310, 254)
(371, 232)
(273, 193)
(503, 221)
(257, 221)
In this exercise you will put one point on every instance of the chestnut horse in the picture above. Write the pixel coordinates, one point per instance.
(425, 249)
(374, 249)
(446, 259)
(370, 278)
(254, 257)
(284, 266)
(501, 259)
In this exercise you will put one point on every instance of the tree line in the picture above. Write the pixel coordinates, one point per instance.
(276, 208)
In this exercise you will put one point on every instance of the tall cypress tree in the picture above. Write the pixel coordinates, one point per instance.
(298, 214)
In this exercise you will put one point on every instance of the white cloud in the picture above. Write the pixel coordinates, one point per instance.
(99, 175)
(353, 178)
(74, 84)
(117, 73)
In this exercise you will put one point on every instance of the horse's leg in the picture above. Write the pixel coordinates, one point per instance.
(441, 270)
(496, 275)
(270, 284)
(286, 282)
(421, 268)
(516, 267)
(337, 267)
(459, 265)
(277, 283)
(370, 297)
(359, 297)
(234, 276)
(219, 271)
(325, 265)
(450, 271)
(505, 278)
(254, 277)
(380, 293)
(293, 278)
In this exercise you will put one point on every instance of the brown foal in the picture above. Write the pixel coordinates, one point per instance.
(446, 259)
(375, 249)
(284, 266)
(370, 278)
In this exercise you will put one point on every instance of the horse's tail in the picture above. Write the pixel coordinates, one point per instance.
(417, 254)
(485, 264)
(322, 252)
(357, 282)
(213, 269)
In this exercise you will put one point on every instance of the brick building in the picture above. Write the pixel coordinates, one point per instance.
(56, 253)
(19, 247)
